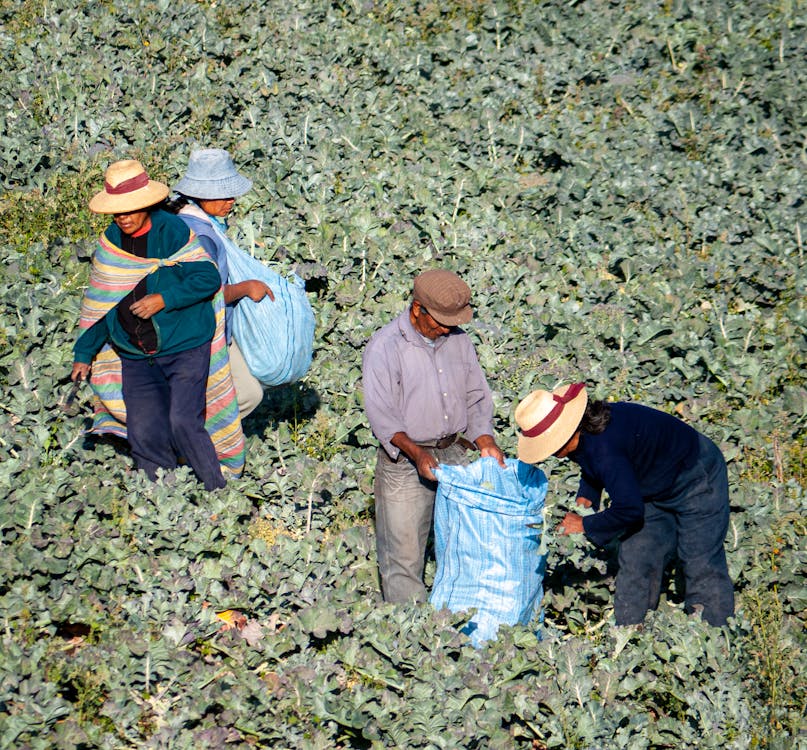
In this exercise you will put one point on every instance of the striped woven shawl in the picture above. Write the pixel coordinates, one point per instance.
(114, 274)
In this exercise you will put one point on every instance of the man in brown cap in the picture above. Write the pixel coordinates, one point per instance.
(423, 388)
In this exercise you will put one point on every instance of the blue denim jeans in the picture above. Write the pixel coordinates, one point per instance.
(165, 413)
(404, 507)
(689, 525)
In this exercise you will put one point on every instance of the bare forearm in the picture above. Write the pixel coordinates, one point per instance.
(252, 288)
(420, 456)
(487, 447)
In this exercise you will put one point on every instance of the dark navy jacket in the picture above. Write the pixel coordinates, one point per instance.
(635, 460)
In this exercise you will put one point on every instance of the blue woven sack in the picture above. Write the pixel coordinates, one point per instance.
(276, 336)
(487, 529)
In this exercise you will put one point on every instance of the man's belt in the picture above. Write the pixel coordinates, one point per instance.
(441, 443)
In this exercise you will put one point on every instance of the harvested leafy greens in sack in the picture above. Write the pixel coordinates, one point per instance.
(276, 336)
(487, 529)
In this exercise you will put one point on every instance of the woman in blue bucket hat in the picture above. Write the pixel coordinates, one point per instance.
(207, 193)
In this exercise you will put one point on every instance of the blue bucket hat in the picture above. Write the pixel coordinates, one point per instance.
(211, 175)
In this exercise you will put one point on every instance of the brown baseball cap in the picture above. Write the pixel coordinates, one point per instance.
(445, 296)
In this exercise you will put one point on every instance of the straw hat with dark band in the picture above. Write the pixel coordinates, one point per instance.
(547, 420)
(127, 187)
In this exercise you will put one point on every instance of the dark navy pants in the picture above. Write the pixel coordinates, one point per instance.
(165, 413)
(689, 525)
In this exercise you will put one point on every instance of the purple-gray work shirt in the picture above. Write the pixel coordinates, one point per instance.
(426, 391)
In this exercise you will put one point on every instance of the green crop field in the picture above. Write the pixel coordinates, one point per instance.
(622, 186)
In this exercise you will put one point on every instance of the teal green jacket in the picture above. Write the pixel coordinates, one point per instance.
(187, 321)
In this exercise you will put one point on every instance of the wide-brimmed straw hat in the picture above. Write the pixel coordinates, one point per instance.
(548, 419)
(445, 296)
(211, 175)
(127, 187)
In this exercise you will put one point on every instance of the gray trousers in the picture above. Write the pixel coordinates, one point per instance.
(404, 505)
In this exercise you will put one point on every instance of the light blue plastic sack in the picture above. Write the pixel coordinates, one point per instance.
(276, 336)
(488, 557)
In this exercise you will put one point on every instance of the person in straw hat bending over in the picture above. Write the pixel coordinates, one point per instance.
(148, 325)
(423, 386)
(207, 193)
(668, 490)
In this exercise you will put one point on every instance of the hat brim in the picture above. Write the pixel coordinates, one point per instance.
(107, 203)
(453, 319)
(536, 449)
(212, 190)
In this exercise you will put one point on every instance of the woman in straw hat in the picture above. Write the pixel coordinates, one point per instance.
(207, 193)
(668, 490)
(150, 300)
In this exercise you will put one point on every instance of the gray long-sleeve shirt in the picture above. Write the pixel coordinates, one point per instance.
(427, 391)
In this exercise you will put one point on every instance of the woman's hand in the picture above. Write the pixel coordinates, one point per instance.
(253, 288)
(150, 305)
(81, 371)
(571, 524)
(257, 290)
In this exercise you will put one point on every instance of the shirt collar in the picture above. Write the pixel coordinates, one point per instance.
(144, 229)
(411, 334)
(220, 221)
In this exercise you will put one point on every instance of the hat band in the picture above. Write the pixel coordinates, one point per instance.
(128, 186)
(550, 419)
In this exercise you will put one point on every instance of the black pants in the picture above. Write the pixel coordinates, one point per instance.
(691, 526)
(165, 413)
